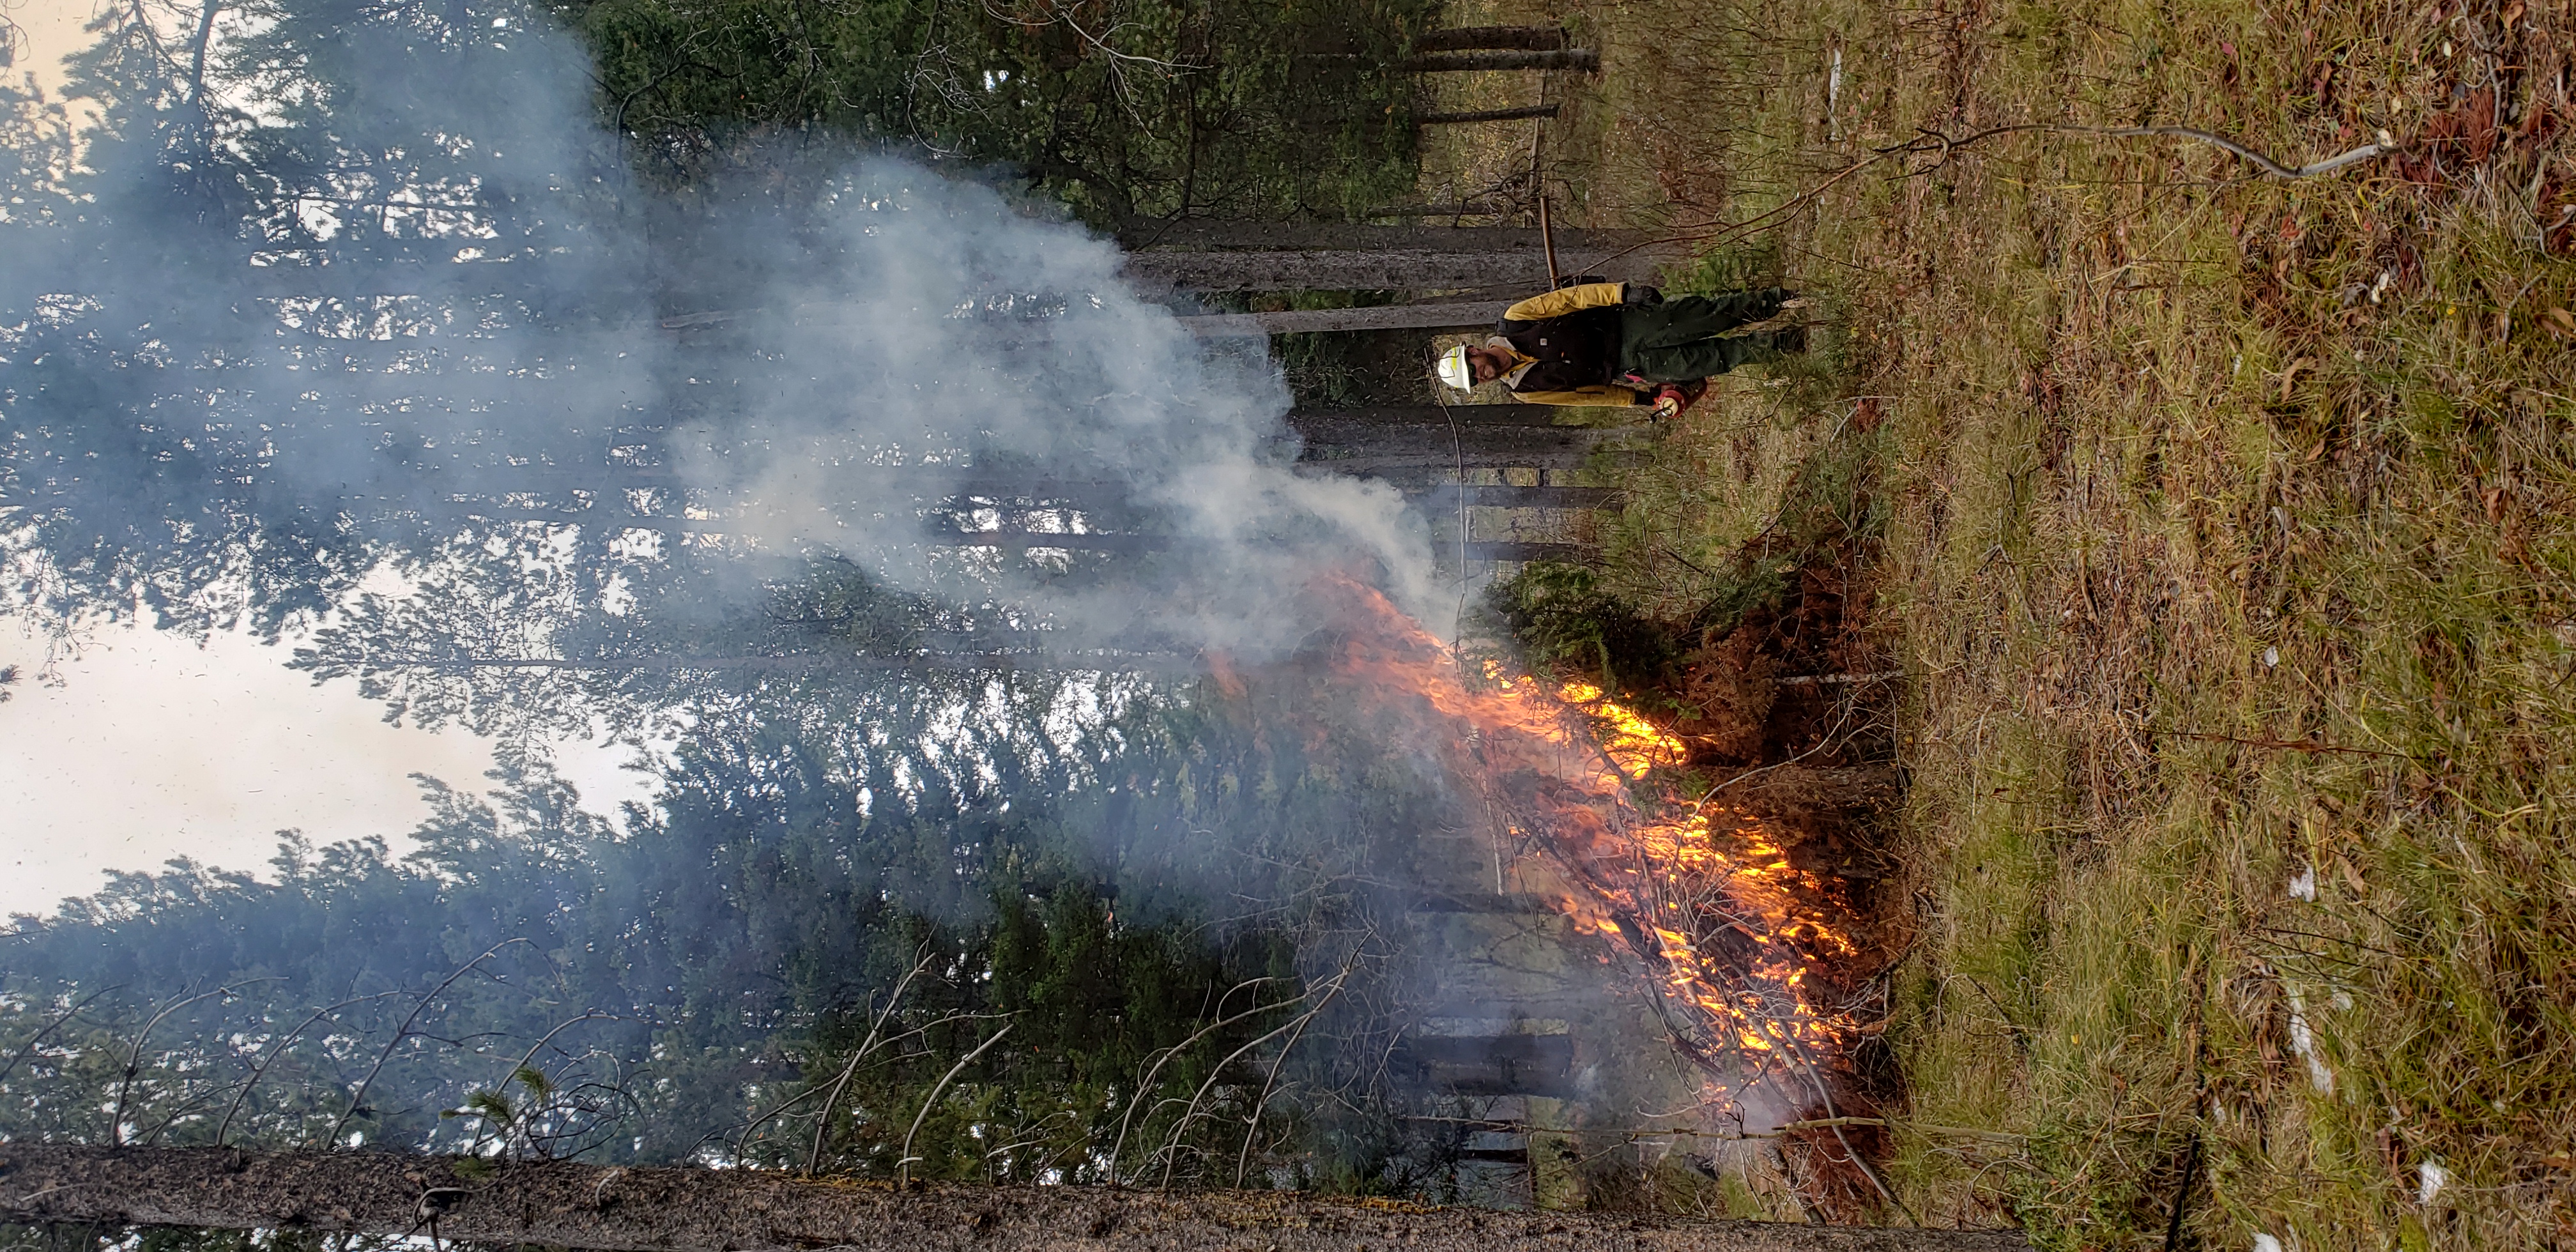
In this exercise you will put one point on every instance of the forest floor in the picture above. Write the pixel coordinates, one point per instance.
(2225, 530)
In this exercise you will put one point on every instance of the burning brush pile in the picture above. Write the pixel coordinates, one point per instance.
(1752, 954)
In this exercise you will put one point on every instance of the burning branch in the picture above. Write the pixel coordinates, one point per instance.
(1725, 925)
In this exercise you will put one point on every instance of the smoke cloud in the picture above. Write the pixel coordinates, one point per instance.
(411, 281)
(377, 333)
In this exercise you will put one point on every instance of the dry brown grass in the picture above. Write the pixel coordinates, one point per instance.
(2229, 547)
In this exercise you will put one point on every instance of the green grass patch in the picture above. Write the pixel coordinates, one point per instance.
(2227, 544)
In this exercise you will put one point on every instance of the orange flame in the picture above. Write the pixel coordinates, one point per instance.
(1735, 926)
(1631, 742)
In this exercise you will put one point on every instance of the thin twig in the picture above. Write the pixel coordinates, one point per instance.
(403, 1033)
(2287, 745)
(134, 1058)
(823, 1120)
(2269, 166)
(1261, 1103)
(1146, 1083)
(1172, 1147)
(527, 1061)
(276, 1050)
(58, 1023)
(903, 1167)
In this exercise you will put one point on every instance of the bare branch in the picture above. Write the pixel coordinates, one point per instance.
(1146, 1084)
(903, 1166)
(823, 1120)
(277, 1049)
(403, 1033)
(1171, 1147)
(134, 1058)
(60, 1019)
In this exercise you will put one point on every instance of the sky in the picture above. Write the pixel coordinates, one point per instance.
(138, 746)
(143, 746)
(53, 29)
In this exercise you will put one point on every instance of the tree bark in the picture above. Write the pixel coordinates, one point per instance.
(1473, 208)
(1438, 498)
(561, 1204)
(197, 60)
(1486, 115)
(1227, 234)
(1329, 441)
(1586, 60)
(1465, 415)
(1516, 550)
(1460, 315)
(1319, 269)
(1472, 38)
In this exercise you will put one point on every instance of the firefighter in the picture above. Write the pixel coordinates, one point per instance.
(1621, 343)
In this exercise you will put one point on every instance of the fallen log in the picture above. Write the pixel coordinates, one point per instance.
(612, 1209)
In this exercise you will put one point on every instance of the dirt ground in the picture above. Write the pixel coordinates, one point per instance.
(2221, 527)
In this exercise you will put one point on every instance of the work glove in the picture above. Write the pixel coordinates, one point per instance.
(1669, 402)
(1639, 295)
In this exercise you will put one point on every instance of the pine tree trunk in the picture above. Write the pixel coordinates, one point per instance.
(1459, 315)
(1517, 550)
(1337, 270)
(561, 1204)
(1240, 235)
(1468, 209)
(1486, 115)
(1584, 59)
(1428, 415)
(1473, 38)
(1331, 440)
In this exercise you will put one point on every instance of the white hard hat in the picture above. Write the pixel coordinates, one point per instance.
(1455, 371)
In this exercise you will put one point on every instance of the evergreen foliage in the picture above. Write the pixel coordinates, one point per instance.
(1223, 108)
(865, 861)
(770, 948)
(1565, 622)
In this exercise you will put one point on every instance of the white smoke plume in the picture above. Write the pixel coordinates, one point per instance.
(375, 278)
